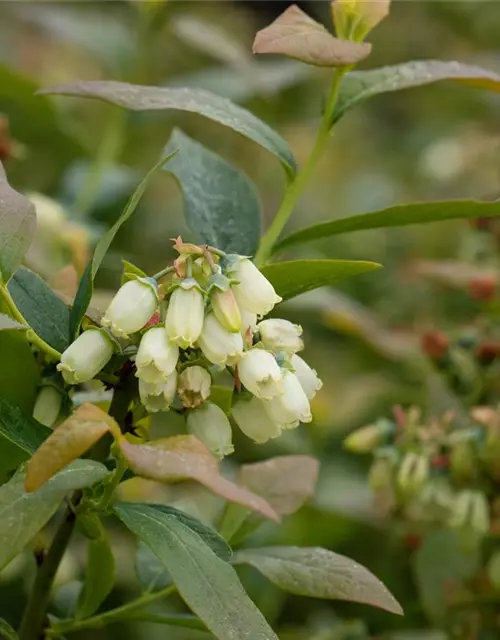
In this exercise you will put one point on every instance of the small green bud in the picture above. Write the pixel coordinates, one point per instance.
(366, 439)
(381, 474)
(48, 405)
(413, 473)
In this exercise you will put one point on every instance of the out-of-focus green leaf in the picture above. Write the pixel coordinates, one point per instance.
(23, 514)
(42, 309)
(222, 205)
(143, 98)
(86, 286)
(99, 574)
(17, 227)
(208, 584)
(296, 35)
(360, 85)
(19, 372)
(292, 278)
(440, 564)
(319, 573)
(24, 432)
(6, 631)
(396, 216)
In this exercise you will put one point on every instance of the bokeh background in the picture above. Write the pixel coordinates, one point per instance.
(430, 143)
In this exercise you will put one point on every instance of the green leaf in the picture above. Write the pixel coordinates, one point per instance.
(23, 514)
(8, 324)
(360, 85)
(290, 279)
(99, 574)
(296, 35)
(173, 620)
(42, 309)
(86, 286)
(222, 205)
(19, 372)
(319, 573)
(23, 431)
(442, 563)
(150, 571)
(17, 227)
(143, 98)
(6, 631)
(396, 216)
(209, 585)
(130, 272)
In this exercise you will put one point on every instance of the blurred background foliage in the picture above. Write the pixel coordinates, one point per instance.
(430, 143)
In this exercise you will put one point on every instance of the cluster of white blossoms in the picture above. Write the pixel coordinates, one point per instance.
(208, 320)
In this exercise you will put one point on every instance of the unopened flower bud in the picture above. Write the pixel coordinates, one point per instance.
(290, 407)
(368, 438)
(380, 476)
(132, 307)
(47, 405)
(226, 309)
(219, 345)
(156, 357)
(470, 510)
(260, 374)
(413, 472)
(253, 419)
(158, 397)
(211, 425)
(280, 335)
(194, 386)
(308, 377)
(86, 356)
(186, 308)
(253, 292)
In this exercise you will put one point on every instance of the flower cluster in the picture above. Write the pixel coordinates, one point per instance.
(183, 334)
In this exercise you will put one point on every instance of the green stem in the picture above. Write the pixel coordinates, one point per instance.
(118, 473)
(35, 611)
(52, 353)
(107, 617)
(163, 272)
(296, 186)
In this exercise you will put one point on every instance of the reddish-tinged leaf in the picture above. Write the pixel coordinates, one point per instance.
(68, 442)
(186, 458)
(286, 482)
(296, 35)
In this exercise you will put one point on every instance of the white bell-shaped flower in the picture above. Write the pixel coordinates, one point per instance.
(260, 373)
(186, 309)
(278, 335)
(226, 309)
(47, 405)
(253, 419)
(253, 292)
(219, 345)
(86, 356)
(132, 307)
(290, 407)
(248, 323)
(158, 397)
(156, 357)
(308, 377)
(194, 386)
(211, 425)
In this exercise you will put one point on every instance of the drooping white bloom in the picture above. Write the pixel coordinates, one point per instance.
(308, 377)
(280, 335)
(47, 405)
(290, 407)
(132, 307)
(211, 425)
(158, 397)
(226, 309)
(156, 357)
(254, 292)
(260, 373)
(248, 322)
(86, 356)
(219, 346)
(194, 386)
(253, 419)
(185, 312)
(470, 510)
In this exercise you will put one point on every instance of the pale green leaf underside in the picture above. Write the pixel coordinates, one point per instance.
(144, 98)
(23, 514)
(396, 216)
(292, 278)
(9, 324)
(319, 573)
